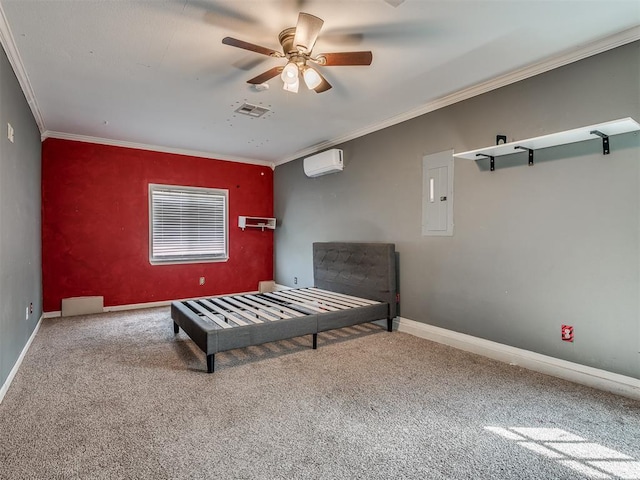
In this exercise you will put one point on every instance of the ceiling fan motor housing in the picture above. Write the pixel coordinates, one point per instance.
(286, 40)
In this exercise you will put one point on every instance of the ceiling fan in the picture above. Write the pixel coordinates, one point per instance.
(297, 45)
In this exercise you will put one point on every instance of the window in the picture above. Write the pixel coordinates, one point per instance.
(187, 224)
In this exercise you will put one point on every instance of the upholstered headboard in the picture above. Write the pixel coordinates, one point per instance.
(366, 270)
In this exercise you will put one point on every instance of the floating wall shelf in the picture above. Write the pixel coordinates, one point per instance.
(530, 145)
(256, 222)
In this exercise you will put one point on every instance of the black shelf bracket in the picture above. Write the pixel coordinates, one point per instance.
(530, 150)
(490, 157)
(605, 141)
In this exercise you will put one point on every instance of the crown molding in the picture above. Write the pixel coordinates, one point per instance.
(568, 56)
(10, 48)
(153, 148)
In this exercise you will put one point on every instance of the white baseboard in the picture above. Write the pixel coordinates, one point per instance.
(16, 366)
(117, 308)
(137, 306)
(166, 303)
(574, 372)
(161, 303)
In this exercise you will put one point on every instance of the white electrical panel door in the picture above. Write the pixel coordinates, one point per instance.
(437, 194)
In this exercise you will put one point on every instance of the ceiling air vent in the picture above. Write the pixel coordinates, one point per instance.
(251, 110)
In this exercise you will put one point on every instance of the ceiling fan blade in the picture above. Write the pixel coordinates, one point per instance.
(234, 42)
(307, 31)
(324, 86)
(266, 76)
(345, 58)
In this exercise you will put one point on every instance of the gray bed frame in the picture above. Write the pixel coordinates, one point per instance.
(354, 283)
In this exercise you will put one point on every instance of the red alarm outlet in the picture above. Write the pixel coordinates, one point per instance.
(567, 333)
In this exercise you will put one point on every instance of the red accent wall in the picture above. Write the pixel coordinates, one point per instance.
(95, 224)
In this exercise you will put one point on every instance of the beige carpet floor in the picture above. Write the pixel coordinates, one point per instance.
(118, 395)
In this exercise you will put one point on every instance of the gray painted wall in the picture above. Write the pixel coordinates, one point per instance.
(533, 247)
(20, 240)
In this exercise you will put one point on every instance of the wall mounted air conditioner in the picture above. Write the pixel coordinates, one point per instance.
(329, 161)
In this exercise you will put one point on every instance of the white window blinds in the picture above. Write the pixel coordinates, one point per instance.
(187, 224)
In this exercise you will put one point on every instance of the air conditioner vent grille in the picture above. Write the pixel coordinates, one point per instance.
(251, 110)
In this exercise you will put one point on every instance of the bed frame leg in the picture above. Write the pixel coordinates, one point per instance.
(315, 341)
(211, 363)
(389, 324)
(176, 328)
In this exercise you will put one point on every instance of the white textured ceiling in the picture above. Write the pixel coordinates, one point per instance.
(156, 73)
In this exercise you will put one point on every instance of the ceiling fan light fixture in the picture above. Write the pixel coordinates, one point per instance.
(291, 87)
(311, 78)
(290, 74)
(297, 45)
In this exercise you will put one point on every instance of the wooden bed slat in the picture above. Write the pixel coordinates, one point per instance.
(335, 298)
(225, 314)
(307, 296)
(278, 306)
(208, 314)
(301, 302)
(295, 295)
(249, 308)
(322, 302)
(294, 304)
(231, 308)
(260, 306)
(364, 300)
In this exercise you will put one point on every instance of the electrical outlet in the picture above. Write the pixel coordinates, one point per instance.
(10, 132)
(567, 333)
(295, 280)
(201, 280)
